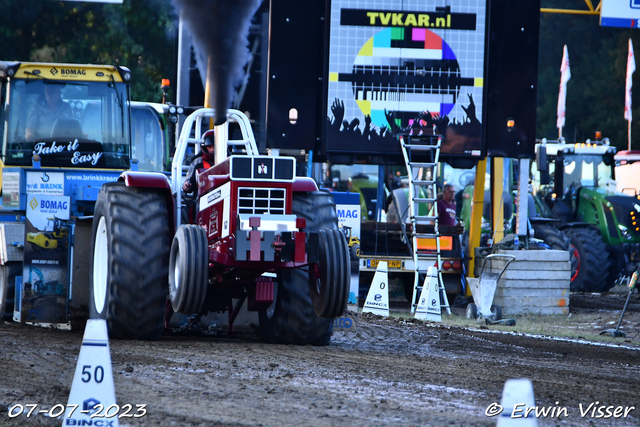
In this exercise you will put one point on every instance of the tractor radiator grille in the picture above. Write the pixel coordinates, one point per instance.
(261, 201)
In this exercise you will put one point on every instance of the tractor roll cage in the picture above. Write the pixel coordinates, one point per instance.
(191, 133)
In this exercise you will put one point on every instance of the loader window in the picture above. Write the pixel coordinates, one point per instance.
(3, 124)
(86, 125)
(147, 138)
(536, 182)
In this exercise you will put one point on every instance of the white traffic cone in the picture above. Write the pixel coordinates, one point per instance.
(429, 302)
(92, 390)
(517, 396)
(377, 301)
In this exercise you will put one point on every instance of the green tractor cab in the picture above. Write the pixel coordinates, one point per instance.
(574, 184)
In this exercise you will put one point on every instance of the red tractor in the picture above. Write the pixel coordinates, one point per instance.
(259, 233)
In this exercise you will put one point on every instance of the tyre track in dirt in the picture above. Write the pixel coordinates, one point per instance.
(390, 373)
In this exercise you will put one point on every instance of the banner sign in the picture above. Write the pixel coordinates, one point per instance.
(98, 1)
(50, 183)
(10, 190)
(44, 290)
(41, 209)
(349, 215)
(620, 13)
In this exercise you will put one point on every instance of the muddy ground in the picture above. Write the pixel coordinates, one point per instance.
(393, 371)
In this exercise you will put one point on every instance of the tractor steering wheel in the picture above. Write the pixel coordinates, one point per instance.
(571, 191)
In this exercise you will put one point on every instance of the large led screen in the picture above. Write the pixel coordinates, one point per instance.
(405, 66)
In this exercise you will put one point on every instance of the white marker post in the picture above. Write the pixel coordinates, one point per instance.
(377, 301)
(429, 302)
(92, 389)
(517, 396)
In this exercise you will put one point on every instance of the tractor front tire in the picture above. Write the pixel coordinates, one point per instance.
(188, 269)
(130, 239)
(330, 291)
(291, 319)
(593, 269)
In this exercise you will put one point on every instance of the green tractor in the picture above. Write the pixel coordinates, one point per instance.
(544, 229)
(574, 185)
(463, 182)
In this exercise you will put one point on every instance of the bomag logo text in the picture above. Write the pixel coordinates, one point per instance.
(73, 72)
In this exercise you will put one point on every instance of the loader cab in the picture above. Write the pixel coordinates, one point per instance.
(151, 136)
(71, 116)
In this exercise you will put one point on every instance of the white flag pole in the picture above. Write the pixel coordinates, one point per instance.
(565, 75)
(631, 67)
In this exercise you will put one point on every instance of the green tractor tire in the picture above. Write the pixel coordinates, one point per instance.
(593, 261)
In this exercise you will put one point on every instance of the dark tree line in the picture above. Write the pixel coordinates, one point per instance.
(595, 93)
(139, 34)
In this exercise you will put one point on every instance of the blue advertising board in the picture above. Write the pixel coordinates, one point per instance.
(620, 13)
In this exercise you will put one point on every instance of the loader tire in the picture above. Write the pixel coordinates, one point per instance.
(8, 289)
(354, 252)
(188, 269)
(558, 240)
(593, 270)
(131, 238)
(291, 318)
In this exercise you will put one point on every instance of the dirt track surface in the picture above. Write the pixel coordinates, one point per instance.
(392, 372)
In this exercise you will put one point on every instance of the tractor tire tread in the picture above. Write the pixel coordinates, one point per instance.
(138, 221)
(594, 271)
(293, 320)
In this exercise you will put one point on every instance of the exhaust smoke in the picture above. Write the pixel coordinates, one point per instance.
(220, 29)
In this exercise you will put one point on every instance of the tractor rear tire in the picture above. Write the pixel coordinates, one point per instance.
(188, 269)
(131, 238)
(291, 318)
(593, 269)
(558, 240)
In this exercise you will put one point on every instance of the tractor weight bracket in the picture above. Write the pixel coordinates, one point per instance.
(313, 248)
